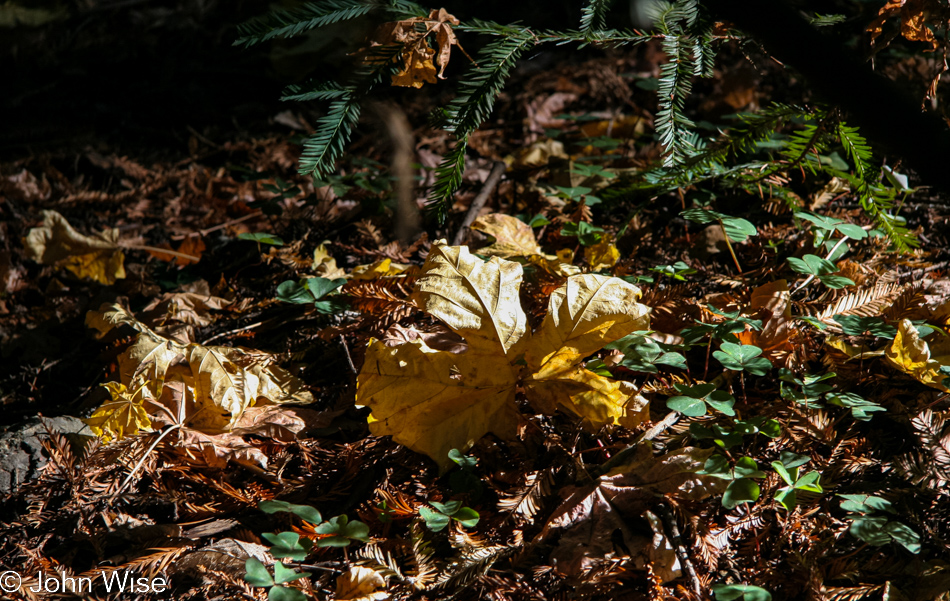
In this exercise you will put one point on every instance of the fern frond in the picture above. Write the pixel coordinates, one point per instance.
(333, 130)
(877, 201)
(594, 15)
(864, 303)
(527, 500)
(286, 23)
(478, 92)
(424, 570)
(314, 91)
(325, 146)
(471, 563)
(472, 106)
(448, 178)
(687, 42)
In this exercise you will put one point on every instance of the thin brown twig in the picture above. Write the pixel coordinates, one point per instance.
(349, 359)
(497, 170)
(673, 534)
(218, 227)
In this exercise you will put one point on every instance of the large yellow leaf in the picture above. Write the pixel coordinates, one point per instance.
(913, 356)
(513, 237)
(585, 314)
(57, 243)
(477, 300)
(122, 416)
(434, 401)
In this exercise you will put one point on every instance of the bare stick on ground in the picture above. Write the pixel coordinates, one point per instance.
(497, 170)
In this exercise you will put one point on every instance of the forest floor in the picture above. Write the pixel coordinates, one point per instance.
(206, 262)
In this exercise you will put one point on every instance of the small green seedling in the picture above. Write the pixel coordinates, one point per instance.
(343, 532)
(741, 489)
(438, 518)
(642, 353)
(692, 400)
(258, 575)
(464, 479)
(811, 387)
(262, 238)
(675, 271)
(306, 512)
(736, 228)
(814, 265)
(313, 290)
(725, 330)
(586, 234)
(742, 592)
(861, 408)
(288, 545)
(788, 469)
(743, 357)
(877, 530)
(853, 325)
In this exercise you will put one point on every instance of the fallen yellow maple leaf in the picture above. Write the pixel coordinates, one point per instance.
(433, 401)
(57, 243)
(122, 416)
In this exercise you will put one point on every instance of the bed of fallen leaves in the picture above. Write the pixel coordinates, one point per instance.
(530, 414)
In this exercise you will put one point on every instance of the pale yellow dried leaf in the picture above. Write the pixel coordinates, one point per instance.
(57, 243)
(560, 266)
(360, 584)
(538, 154)
(434, 401)
(513, 237)
(220, 382)
(602, 255)
(912, 356)
(852, 351)
(418, 68)
(324, 265)
(381, 268)
(477, 300)
(121, 416)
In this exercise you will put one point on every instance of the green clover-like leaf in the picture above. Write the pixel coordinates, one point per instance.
(740, 491)
(742, 357)
(256, 573)
(307, 512)
(288, 545)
